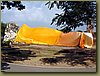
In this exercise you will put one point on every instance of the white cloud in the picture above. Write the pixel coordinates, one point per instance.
(35, 13)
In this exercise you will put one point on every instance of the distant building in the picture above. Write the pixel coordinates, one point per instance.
(10, 31)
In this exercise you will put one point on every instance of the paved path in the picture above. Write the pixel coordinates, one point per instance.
(22, 68)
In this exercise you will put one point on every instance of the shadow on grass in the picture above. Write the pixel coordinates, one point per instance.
(13, 54)
(4, 66)
(73, 57)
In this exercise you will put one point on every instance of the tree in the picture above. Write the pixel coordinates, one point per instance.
(3, 26)
(10, 4)
(75, 14)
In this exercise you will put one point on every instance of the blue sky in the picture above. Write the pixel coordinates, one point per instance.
(35, 14)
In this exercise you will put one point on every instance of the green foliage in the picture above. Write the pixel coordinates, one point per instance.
(3, 26)
(10, 4)
(75, 13)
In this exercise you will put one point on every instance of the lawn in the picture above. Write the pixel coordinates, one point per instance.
(44, 55)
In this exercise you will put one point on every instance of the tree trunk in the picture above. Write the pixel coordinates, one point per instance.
(90, 26)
